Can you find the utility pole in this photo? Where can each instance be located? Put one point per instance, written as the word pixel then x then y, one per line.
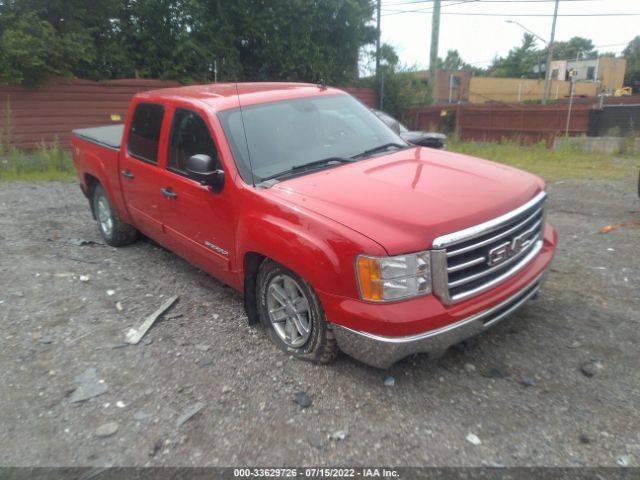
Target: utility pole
pixel 547 76
pixel 380 90
pixel 433 57
pixel 378 38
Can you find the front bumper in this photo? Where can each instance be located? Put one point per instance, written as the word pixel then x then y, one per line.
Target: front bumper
pixel 382 351
pixel 381 334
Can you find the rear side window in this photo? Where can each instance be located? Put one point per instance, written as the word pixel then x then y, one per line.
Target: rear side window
pixel 144 136
pixel 189 136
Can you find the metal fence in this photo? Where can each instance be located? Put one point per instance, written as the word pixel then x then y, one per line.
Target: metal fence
pixel 48 113
pixel 522 123
pixel 615 121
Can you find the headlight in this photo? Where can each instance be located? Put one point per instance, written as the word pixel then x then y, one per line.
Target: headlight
pixel 382 279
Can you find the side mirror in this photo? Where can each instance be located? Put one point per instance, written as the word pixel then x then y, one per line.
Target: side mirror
pixel 201 168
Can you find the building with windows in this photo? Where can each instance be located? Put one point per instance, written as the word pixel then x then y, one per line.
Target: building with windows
pixel 608 72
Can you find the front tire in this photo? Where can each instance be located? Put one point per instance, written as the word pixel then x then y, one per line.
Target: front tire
pixel 292 314
pixel 114 232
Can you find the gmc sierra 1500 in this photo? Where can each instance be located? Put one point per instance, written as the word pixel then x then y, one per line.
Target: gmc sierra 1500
pixel 340 235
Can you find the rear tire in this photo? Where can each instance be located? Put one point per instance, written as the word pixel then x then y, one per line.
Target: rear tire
pixel 114 232
pixel 292 314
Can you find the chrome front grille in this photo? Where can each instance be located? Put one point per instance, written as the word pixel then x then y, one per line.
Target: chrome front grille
pixel 473 260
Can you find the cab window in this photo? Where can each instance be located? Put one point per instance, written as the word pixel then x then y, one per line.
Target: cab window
pixel 144 136
pixel 189 136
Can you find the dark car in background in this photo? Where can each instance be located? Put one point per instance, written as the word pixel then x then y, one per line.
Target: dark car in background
pixel 416 137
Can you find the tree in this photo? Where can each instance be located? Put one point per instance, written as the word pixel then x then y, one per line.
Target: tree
pixel 576 47
pixel 297 40
pixel 453 61
pixel 520 61
pixel 401 86
pixel 301 40
pixel 632 55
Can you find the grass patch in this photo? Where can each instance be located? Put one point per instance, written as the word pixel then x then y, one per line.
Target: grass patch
pixel 47 162
pixel 565 163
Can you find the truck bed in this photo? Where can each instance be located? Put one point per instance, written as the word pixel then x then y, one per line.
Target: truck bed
pixel 109 136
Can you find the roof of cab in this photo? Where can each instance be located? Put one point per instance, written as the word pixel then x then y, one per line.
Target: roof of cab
pixel 223 96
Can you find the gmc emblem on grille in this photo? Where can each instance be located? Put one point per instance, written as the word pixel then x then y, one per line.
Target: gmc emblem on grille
pixel 508 249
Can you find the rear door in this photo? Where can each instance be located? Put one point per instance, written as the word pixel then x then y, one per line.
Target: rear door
pixel 199 224
pixel 141 181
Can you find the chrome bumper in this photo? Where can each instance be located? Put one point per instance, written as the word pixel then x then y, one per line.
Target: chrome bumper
pixel 382 352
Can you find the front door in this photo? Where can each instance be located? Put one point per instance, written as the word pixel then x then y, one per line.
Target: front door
pixel 198 222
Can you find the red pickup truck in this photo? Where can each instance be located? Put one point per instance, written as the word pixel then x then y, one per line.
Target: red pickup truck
pixel 340 235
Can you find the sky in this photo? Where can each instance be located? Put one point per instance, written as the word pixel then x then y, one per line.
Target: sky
pixel 479 38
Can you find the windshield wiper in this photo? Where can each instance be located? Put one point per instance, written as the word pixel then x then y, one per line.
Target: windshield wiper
pixel 380 148
pixel 324 162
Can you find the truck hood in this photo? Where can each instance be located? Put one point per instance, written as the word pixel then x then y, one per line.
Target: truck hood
pixel 405 199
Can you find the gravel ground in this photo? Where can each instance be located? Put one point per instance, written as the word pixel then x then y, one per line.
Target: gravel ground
pixel 556 384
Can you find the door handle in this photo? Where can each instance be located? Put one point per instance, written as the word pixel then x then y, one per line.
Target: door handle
pixel 127 173
pixel 167 192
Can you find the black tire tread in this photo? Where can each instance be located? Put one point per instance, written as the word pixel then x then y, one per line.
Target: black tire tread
pixel 123 234
pixel 326 349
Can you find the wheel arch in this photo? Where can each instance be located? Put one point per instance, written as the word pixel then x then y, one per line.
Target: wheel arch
pixel 251 263
pixel 320 252
pixel 91 182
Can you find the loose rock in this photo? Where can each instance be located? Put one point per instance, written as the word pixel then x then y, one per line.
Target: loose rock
pixel 389 381
pixel 302 399
pixel 527 382
pixel 141 415
pixel 226 389
pixel 591 368
pixel 106 430
pixel 89 386
pixel 494 373
pixel 623 460
pixel 339 435
pixel 473 439
pixel 585 439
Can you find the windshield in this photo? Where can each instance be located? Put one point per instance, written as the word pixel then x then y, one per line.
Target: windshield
pixel 286 135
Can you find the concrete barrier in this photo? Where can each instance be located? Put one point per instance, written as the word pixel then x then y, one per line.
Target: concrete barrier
pixel 606 145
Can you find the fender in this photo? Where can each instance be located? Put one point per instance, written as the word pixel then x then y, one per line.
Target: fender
pixel 316 248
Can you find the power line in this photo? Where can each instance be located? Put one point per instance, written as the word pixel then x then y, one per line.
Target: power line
pixel 487 1
pixel 545 15
pixel 413 2
pixel 634 14
pixel 424 9
pixel 491 1
pixel 612 45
